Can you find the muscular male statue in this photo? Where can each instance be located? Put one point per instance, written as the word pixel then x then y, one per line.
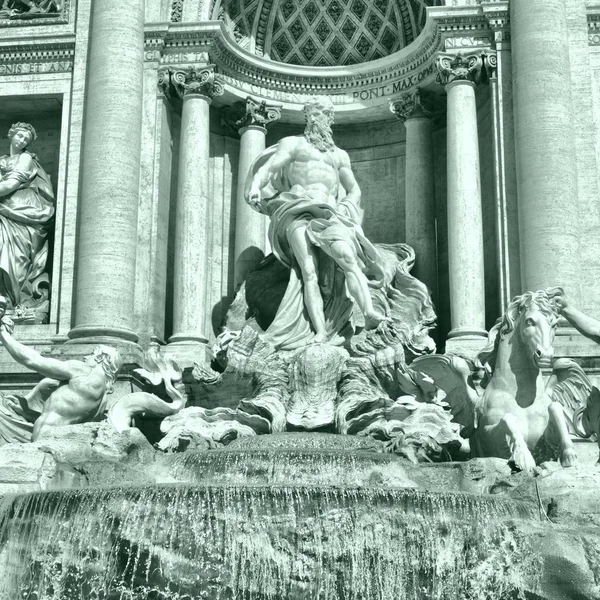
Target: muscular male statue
pixel 72 391
pixel 297 183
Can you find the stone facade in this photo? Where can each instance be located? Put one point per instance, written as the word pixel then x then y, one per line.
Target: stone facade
pixel 488 163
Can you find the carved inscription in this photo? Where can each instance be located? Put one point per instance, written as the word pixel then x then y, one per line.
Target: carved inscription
pixel 26 68
pixel 363 95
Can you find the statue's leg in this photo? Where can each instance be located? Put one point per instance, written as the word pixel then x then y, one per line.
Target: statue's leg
pixel 306 257
pixel 508 428
pixel 558 423
pixel 358 286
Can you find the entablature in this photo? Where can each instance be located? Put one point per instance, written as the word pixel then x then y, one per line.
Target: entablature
pixel 366 87
pixel 45 54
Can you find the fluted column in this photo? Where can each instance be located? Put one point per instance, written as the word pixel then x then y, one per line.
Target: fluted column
pixel 197 88
pixel 459 74
pixel 251 119
pixel 545 145
pixel 110 171
pixel 415 109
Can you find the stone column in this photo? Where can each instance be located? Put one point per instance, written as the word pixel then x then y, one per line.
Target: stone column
pixel 415 109
pixel 197 88
pixel 110 173
pixel 545 146
pixel 465 230
pixel 250 118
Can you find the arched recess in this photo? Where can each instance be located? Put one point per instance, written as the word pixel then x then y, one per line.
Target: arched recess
pixel 318 33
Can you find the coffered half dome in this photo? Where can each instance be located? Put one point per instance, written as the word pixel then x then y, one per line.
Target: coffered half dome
pixel 323 32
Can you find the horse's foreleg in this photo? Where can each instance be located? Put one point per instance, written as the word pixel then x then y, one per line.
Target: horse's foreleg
pixel 520 454
pixel 557 421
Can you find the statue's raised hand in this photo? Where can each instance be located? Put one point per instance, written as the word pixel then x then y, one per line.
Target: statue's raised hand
pixel 560 302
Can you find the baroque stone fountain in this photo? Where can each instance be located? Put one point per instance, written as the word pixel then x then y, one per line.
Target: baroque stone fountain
pixel 323 454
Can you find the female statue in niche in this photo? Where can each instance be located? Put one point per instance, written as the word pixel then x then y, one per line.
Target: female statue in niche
pixel 26 209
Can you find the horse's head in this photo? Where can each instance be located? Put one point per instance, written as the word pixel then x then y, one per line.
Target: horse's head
pixel 533 317
pixel 536 330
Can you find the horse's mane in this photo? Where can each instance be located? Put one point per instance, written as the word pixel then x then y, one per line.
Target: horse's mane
pixel 544 299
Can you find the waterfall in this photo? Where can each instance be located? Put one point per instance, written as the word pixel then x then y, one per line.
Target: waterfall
pixel 261 542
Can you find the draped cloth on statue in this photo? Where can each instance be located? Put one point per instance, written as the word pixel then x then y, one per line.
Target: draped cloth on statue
pixel 24 216
pixel 17 417
pixel 290 207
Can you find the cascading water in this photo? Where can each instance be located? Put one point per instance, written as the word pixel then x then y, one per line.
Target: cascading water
pixel 182 541
pixel 254 536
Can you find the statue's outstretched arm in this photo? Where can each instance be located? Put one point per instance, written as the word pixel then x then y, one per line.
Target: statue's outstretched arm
pixel 585 325
pixel 32 359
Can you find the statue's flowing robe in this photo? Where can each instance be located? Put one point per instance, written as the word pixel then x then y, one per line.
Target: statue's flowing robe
pixel 17 418
pixel 24 218
pixel 290 207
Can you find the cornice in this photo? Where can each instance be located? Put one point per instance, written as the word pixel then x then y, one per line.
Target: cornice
pixel 55 47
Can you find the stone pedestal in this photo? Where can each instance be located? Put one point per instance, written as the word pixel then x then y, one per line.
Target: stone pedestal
pixel 465 230
pixel 106 250
pixel 251 119
pixel 545 146
pixel 197 87
pixel 416 109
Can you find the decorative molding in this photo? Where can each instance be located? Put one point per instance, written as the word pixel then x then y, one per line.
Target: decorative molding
pixel 415 104
pixel 176 11
pixel 28 19
pixel 497 12
pixel 23 58
pixel 250 113
pixel 459 67
pixel 196 81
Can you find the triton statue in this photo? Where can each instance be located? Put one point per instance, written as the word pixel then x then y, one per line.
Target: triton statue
pixel 315 231
pixel 72 391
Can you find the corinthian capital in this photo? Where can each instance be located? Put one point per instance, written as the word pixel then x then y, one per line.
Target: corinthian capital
pixel 458 67
pixel 251 112
pixel 417 103
pixel 197 81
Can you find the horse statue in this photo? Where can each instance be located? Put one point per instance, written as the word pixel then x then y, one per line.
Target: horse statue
pixel 518 412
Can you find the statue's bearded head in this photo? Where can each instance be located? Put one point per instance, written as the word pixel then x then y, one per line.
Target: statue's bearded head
pixel 319 118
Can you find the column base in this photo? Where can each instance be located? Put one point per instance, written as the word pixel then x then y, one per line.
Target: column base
pixel 83 334
pixel 187 338
pixel 188 353
pixel 468 332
